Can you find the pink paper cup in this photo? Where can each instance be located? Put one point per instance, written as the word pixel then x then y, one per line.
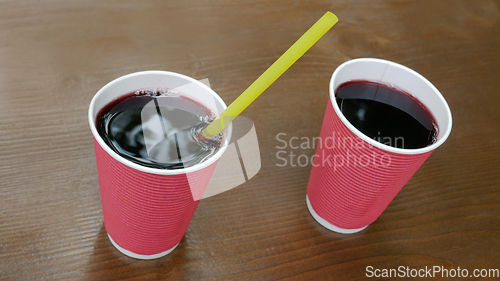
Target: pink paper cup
pixel 354 177
pixel 146 210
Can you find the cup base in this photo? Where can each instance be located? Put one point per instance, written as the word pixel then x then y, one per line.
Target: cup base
pixel 328 225
pixel 138 256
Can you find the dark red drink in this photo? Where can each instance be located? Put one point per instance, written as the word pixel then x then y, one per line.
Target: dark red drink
pixel 127 125
pixel 387 114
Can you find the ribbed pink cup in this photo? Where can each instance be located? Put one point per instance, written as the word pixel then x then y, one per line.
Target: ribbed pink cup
pixel 354 178
pixel 146 210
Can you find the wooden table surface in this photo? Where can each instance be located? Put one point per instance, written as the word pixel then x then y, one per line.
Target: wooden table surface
pixel 54 56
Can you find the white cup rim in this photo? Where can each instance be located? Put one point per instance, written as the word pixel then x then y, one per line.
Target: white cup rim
pixel 116 156
pixel 443 135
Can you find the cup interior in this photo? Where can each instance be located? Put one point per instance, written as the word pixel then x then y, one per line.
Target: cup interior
pixel 188 86
pixel 404 78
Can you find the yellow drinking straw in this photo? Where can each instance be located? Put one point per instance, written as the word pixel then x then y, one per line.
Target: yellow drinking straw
pixel 305 42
